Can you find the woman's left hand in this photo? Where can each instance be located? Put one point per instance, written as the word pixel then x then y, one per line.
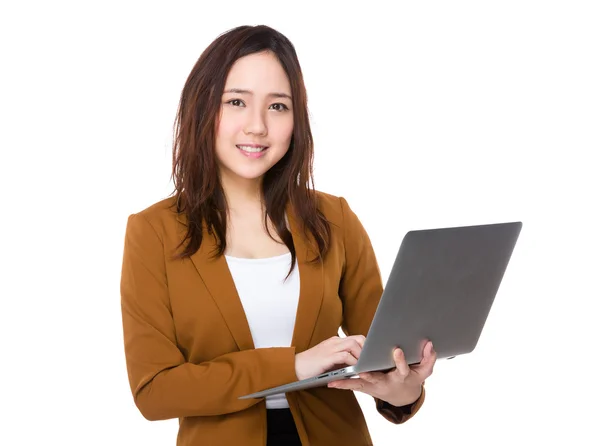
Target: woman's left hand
pixel 399 387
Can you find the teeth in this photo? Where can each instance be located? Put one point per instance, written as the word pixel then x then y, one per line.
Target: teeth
pixel 251 149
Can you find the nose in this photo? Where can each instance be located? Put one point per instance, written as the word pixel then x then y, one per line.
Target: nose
pixel 256 123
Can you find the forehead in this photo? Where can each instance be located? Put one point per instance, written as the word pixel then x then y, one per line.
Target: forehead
pixel 259 72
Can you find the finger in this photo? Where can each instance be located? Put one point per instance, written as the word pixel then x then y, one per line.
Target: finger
pixel 402 368
pixel 352 346
pixel 345 357
pixel 431 359
pixel 430 355
pixel 360 339
pixel 372 377
pixel 349 384
pixel 432 352
pixel 425 367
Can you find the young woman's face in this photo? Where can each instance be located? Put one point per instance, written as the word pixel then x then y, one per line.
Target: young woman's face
pixel 256 121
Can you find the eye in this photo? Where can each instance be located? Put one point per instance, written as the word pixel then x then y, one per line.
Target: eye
pixel 236 102
pixel 279 107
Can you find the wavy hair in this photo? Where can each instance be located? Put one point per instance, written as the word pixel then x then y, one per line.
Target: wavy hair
pixel 195 174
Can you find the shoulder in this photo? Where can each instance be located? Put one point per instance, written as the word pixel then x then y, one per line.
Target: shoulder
pixel 161 216
pixel 335 208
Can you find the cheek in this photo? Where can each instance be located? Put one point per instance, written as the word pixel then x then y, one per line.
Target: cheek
pixel 283 130
pixel 228 126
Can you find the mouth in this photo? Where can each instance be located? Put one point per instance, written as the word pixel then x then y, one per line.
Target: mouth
pixel 251 148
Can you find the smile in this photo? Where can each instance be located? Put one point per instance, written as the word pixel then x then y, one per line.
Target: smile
pixel 252 149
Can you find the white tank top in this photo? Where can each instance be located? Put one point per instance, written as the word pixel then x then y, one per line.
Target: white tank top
pixel 270 303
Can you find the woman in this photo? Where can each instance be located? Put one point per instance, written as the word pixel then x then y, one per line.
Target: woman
pixel 241 280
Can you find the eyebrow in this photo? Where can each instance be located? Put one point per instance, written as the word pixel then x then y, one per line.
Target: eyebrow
pixel 242 91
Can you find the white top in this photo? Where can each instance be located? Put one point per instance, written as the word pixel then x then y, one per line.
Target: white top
pixel 270 303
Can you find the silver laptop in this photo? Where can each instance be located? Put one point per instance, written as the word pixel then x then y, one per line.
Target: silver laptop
pixel 441 288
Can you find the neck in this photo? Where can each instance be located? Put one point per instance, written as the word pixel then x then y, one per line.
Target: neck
pixel 242 193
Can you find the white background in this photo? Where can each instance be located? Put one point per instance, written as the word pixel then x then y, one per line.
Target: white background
pixel 426 114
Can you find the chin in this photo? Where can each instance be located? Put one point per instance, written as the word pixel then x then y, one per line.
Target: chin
pixel 250 170
pixel 248 175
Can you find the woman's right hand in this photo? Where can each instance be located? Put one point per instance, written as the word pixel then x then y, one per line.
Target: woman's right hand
pixel 330 354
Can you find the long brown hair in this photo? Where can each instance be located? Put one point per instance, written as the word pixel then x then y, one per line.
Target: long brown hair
pixel 198 189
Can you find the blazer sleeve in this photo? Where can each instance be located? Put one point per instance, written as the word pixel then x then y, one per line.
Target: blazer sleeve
pixel 163 383
pixel 361 288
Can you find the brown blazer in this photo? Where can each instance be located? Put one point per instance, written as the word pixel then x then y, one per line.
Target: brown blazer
pixel 188 346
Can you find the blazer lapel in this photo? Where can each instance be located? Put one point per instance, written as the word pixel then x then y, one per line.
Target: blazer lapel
pixel 217 279
pixel 311 285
